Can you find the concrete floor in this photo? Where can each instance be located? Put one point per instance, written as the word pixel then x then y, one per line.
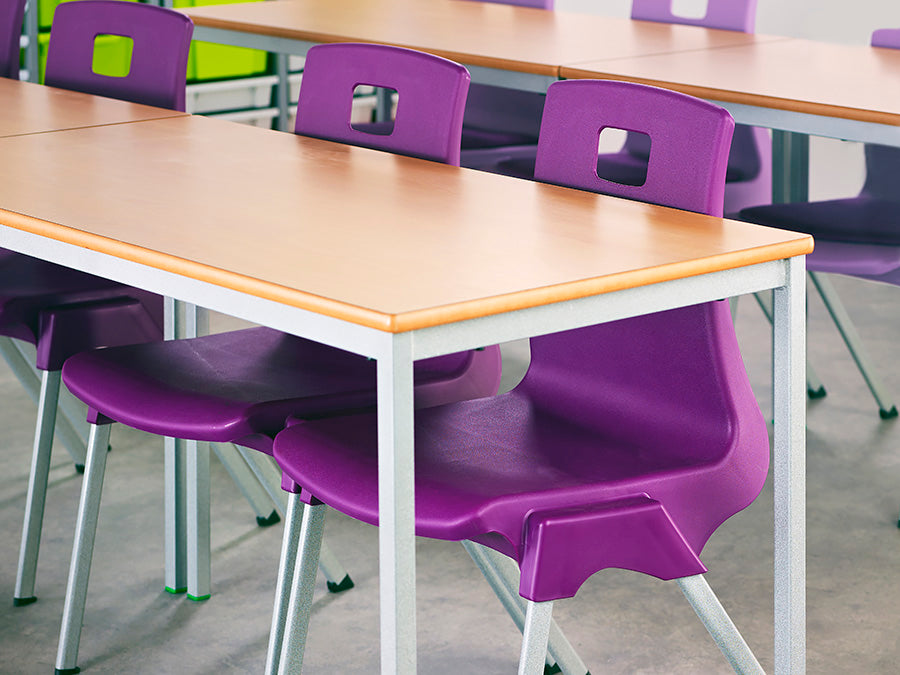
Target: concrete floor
pixel 620 622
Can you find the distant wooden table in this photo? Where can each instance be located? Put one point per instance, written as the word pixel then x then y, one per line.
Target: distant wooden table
pixel 397 259
pixel 516 47
pixel 797 88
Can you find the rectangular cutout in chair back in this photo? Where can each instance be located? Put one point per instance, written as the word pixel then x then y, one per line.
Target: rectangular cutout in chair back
pixel 374 109
pixel 628 166
pixel 112 55
pixel 690 9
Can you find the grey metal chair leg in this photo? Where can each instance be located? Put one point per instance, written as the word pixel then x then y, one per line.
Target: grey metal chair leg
pixel 886 407
pixel 28 377
pixel 719 624
pixel 502 575
pixel 538 617
pixel 269 475
pixel 199 554
pixel 289 543
pixel 814 387
pixel 254 493
pixel 82 551
pixel 74 411
pixel 37 489
pixel 300 605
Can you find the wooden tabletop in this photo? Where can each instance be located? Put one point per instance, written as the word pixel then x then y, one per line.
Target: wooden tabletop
pixel 474 33
pixel 383 241
pixel 32 109
pixel 851 82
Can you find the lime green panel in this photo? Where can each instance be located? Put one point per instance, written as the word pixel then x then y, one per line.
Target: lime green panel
pixel 209 61
pixel 45 12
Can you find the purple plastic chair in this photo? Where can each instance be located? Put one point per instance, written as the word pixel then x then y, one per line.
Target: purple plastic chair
pixel 63 311
pixel 858 236
pixel 431 99
pixel 748 181
pixel 12 13
pixel 241 386
pixel 626 444
pixel 150 80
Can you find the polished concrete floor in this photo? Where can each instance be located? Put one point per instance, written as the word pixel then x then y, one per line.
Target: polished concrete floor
pixel 620 622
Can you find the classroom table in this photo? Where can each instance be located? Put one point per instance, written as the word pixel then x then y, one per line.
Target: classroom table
pixel 798 88
pixel 399 259
pixel 516 47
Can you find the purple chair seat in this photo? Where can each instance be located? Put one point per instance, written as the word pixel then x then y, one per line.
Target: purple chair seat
pixel 865 219
pixel 29 287
pixel 178 389
pixel 483 466
pixel 868 261
pixel 479 139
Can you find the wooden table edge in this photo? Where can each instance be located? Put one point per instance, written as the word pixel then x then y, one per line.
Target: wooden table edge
pixel 414 319
pixel 200 20
pixel 729 96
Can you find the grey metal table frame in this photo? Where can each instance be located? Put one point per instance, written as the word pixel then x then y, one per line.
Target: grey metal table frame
pixel 395 353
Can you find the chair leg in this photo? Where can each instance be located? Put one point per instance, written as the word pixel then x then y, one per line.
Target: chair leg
pixel 82 551
pixel 302 585
pixel 502 575
pixel 538 617
pixel 197 521
pixel 719 624
pixel 289 543
pixel 269 475
pixel 247 483
pixel 814 386
pixel 37 489
pixel 886 407
pixel 27 375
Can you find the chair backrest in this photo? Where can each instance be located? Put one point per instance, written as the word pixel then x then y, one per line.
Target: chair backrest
pixel 882 161
pixel 687 160
pixel 737 15
pixel 161 41
pixel 679 365
pixel 11 15
pixel 431 99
